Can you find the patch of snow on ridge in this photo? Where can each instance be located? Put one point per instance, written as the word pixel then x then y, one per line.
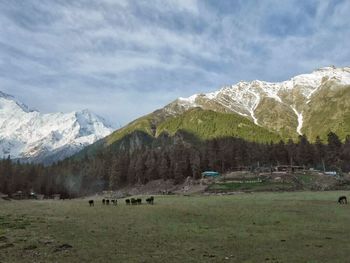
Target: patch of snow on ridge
pixel 254 106
pixel 311 82
pixel 211 95
pixel 191 99
pixel 300 120
pixel 344 76
pixel 254 118
pixel 12 99
pixel 271 89
pixel 244 96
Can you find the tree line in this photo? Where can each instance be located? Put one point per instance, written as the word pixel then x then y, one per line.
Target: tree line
pixel 168 157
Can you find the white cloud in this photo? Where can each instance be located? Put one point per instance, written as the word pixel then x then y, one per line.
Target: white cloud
pixel 92 54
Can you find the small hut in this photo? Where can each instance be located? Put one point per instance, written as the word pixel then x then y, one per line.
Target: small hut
pixel 32 195
pixel 210 174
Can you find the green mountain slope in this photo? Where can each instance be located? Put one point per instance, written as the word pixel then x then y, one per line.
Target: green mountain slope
pixel 209 124
pixel 277 117
pixel 200 124
pixel 329 110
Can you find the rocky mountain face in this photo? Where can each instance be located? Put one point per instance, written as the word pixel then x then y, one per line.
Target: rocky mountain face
pixel 29 135
pixel 312 104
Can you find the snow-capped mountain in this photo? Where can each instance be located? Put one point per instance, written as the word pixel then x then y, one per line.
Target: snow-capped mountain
pixel 288 107
pixel 312 104
pixel 30 135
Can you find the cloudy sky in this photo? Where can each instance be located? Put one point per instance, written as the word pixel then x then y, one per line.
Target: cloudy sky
pixel 123 59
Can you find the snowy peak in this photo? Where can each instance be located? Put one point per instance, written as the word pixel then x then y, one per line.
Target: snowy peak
pixel 26 134
pixel 259 100
pixel 90 123
pixel 9 101
pixel 309 83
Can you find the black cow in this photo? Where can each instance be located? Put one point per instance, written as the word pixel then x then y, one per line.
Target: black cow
pixel 133 201
pixel 103 201
pixel 91 202
pixel 107 202
pixel 342 200
pixel 150 200
pixel 127 201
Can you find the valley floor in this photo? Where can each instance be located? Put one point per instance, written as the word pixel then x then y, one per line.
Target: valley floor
pixel 257 227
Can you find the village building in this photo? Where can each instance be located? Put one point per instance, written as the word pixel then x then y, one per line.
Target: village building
pixel 210 174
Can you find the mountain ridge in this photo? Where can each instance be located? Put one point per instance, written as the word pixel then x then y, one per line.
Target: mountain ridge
pixel 29 135
pixel 252 99
pixel 286 109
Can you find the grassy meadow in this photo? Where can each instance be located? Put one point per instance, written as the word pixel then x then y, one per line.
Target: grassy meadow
pixel 258 227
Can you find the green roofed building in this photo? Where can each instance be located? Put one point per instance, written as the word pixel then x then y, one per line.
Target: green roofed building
pixel 210 174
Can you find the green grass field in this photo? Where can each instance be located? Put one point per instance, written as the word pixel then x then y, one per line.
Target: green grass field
pixel 259 227
pixel 261 186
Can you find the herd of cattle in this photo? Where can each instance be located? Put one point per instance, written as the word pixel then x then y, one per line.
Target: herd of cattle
pixel 150 200
pixel 131 201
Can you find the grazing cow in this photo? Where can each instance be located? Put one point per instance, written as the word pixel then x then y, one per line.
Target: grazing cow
pixel 107 202
pixel 342 200
pixel 91 202
pixel 133 201
pixel 150 200
pixel 127 201
pixel 139 201
pixel 103 201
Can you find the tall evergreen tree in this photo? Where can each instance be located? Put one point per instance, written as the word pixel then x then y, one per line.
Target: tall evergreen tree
pixel 333 150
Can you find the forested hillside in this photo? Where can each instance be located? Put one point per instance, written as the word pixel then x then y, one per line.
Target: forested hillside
pixel 168 157
pixel 201 124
